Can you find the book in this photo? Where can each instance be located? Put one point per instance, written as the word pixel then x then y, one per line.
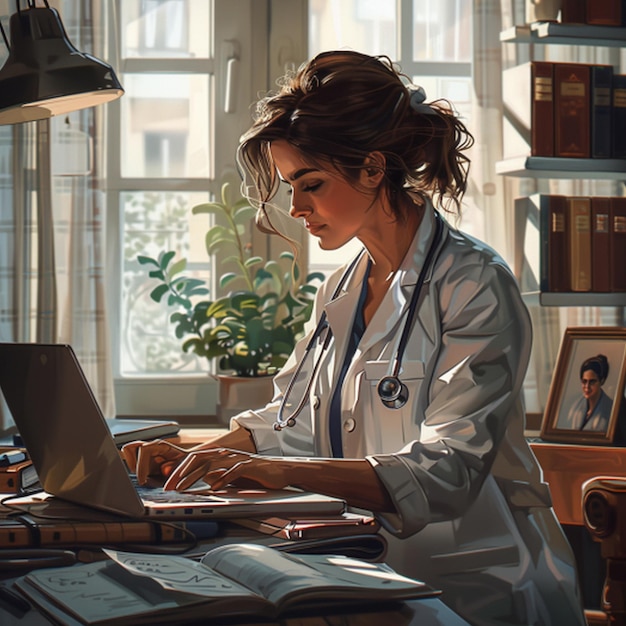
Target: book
pixel 348 524
pixel 30 531
pixel 235 579
pixel 579 218
pixel 554 242
pixel 573 12
pixel 528 109
pixel 542 114
pixel 17 473
pixel 618 243
pixel 603 12
pixel 619 116
pixel 601 86
pixel 601 268
pixel 572 110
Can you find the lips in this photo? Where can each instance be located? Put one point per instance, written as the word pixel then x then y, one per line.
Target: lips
pixel 314 228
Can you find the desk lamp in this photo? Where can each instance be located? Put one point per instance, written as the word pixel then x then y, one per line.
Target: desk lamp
pixel 44 74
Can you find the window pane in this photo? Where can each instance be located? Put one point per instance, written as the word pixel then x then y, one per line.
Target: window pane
pixel 156 222
pixel 161 115
pixel 166 28
pixel 441 30
pixel 364 25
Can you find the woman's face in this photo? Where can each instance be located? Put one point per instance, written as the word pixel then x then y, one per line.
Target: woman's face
pixel 333 209
pixel 591 385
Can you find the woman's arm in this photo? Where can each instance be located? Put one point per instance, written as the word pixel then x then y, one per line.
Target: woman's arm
pixel 353 480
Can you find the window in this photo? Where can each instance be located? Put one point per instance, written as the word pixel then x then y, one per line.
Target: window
pixel 171 142
pixel 432 44
pixel 173 135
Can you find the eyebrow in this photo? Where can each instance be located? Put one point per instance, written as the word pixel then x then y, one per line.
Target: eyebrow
pixel 299 173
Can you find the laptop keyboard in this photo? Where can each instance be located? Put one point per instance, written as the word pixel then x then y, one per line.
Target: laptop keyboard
pixel 158 494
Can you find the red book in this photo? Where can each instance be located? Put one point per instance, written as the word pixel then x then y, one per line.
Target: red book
pixel 618 243
pixel 572 110
pixel 542 114
pixel 573 11
pixel 601 274
pixel 604 12
pixel 554 260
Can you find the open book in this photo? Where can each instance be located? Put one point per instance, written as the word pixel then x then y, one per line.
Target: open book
pixel 231 580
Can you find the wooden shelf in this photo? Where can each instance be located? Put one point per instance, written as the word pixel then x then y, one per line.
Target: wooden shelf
pixel 548 167
pixel 554 33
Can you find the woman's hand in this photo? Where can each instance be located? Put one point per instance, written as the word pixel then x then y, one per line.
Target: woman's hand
pixel 152 458
pixel 219 467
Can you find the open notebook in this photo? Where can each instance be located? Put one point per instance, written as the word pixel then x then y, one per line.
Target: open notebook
pixel 78 461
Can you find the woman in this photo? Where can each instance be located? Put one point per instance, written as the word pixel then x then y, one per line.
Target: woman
pixel 593 410
pixel 442 458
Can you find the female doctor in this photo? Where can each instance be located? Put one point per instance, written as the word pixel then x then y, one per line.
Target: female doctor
pixel 405 398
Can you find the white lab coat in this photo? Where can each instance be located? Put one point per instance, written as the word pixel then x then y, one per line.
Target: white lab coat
pixel 473 515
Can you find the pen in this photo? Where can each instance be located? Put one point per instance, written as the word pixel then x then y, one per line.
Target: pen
pixel 11 458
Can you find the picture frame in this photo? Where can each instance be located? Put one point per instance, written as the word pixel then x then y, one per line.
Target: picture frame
pixel 565 418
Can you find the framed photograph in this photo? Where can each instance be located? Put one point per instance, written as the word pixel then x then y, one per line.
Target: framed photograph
pixel 586 396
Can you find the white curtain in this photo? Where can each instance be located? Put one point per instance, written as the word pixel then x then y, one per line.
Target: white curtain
pixel 52 253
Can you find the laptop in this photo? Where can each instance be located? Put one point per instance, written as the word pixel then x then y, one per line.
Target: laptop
pixel 77 459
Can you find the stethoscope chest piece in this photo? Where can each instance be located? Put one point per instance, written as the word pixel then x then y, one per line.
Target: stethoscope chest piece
pixel 392 392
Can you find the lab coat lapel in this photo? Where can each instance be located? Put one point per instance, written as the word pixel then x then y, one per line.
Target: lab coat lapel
pixel 386 320
pixel 340 310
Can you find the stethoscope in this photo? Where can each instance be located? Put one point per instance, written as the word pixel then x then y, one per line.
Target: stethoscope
pixel 392 392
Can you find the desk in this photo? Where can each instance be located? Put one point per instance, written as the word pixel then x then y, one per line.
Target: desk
pixel 422 612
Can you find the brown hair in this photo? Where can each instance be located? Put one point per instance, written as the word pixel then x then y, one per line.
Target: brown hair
pixel 342 106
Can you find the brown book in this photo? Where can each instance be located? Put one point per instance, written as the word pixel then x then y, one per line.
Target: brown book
pixel 579 216
pixel 572 110
pixel 573 11
pixel 618 243
pixel 603 12
pixel 554 242
pixel 542 114
pixel 18 477
pixel 600 252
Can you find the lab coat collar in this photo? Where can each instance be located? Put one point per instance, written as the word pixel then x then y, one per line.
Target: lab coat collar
pixel 340 312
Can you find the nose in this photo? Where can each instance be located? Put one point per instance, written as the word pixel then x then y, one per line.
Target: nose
pixel 296 209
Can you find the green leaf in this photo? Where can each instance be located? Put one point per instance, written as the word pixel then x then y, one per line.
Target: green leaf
pixel 253 260
pixel 158 292
pixel 165 258
pixel 177 267
pixel 146 260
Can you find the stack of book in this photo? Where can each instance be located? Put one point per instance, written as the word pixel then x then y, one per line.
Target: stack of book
pixel 582 242
pixel 573 110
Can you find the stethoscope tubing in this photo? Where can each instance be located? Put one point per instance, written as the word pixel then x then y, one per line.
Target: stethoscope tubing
pixel 391 402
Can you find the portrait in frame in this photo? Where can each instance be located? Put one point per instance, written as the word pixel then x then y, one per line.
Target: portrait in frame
pixel 586 396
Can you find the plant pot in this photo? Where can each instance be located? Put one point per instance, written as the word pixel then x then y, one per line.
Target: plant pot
pixel 240 393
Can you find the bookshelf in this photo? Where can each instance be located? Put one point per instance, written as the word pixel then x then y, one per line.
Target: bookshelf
pixel 554 33
pixel 550 33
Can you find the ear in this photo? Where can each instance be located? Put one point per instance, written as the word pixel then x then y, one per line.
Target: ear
pixel 373 169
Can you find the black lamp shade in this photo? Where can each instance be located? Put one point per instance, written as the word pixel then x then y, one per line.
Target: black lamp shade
pixel 46 75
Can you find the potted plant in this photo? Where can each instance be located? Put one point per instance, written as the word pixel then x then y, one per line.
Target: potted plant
pixel 250 330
